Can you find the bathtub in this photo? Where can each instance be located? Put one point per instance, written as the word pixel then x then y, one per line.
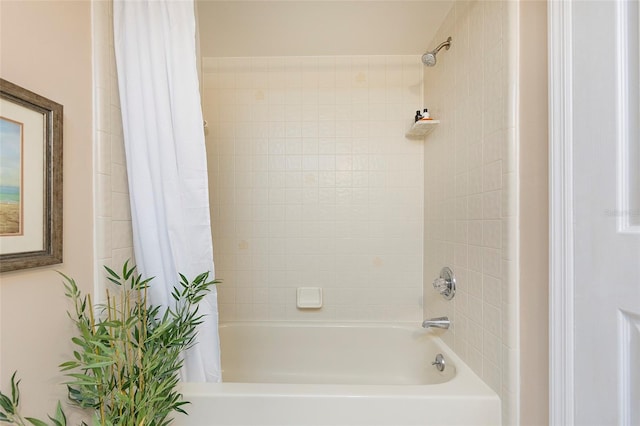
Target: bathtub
pixel 307 374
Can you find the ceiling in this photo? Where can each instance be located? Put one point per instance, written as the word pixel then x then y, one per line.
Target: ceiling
pixel 320 27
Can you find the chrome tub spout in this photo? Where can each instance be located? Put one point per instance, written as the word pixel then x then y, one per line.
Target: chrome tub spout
pixel 439 322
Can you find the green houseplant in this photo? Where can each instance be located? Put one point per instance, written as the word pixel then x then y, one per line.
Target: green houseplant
pixel 127 357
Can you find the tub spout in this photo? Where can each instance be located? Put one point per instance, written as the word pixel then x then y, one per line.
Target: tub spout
pixel 440 322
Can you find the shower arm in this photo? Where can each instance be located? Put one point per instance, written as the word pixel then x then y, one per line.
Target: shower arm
pixel 446 44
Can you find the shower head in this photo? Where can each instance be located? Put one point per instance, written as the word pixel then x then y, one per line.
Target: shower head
pixel 429 58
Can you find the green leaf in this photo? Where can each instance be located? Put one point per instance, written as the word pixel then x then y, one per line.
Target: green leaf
pixel 6 404
pixel 115 281
pixel 82 377
pixel 68 365
pixel 95 365
pixel 66 278
pixel 111 272
pixel 78 341
pixel 15 391
pixel 127 272
pixel 143 284
pixel 60 418
pixel 35 422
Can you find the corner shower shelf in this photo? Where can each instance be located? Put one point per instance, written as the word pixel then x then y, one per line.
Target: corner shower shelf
pixel 422 128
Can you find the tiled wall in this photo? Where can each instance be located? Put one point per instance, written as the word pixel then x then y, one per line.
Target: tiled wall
pixel 313 184
pixel 114 243
pixel 470 210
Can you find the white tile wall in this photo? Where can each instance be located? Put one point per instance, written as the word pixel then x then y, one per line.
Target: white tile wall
pixel 113 214
pixel 469 194
pixel 313 183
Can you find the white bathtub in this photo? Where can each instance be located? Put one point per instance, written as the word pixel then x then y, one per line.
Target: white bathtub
pixel 338 374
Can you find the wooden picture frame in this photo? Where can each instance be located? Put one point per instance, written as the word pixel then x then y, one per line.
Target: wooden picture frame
pixel 30 179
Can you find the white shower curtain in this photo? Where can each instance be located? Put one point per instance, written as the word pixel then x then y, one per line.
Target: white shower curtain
pixel 166 160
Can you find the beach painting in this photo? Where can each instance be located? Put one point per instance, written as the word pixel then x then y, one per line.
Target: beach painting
pixel 11 190
pixel 31 129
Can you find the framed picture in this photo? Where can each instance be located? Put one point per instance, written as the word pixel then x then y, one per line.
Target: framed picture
pixel 30 179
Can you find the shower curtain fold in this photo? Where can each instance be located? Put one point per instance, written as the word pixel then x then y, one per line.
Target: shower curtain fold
pixel 155 50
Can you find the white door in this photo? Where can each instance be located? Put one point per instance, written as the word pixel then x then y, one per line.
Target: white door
pixel 595 293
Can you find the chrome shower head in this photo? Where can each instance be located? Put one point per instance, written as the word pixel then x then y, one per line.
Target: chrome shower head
pixel 429 58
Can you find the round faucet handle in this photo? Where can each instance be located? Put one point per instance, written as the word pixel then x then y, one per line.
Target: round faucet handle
pixel 446 283
pixel 440 284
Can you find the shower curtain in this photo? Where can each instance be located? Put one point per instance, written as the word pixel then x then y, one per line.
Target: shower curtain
pixel 166 159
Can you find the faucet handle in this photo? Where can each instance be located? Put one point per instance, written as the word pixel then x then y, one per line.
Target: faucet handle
pixel 440 284
pixel 446 283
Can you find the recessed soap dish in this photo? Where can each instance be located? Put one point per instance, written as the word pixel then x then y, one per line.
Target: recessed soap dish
pixel 309 298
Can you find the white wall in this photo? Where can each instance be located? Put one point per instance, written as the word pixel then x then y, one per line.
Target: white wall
pixel 313 183
pixel 470 193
